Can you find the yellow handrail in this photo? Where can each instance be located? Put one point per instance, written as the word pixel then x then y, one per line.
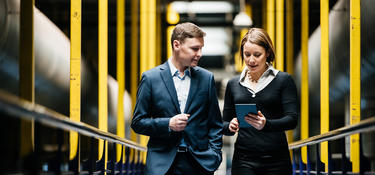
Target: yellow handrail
pixel 366 125
pixel 24 109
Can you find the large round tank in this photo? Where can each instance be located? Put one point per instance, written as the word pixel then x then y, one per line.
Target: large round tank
pixel 339 55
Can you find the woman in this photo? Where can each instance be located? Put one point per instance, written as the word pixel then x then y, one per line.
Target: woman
pixel 261 148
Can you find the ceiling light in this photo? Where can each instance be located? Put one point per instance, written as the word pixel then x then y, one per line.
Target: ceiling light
pixel 242 19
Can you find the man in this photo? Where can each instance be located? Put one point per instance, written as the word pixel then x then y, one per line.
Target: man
pixel 177 107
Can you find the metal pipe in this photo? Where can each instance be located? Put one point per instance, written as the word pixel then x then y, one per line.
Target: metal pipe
pixel 52 61
pixel 339 54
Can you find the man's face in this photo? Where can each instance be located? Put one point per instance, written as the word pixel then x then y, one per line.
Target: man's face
pixel 189 51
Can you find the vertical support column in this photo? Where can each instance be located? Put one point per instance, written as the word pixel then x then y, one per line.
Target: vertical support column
pixel 120 71
pixel 169 44
pixel 144 35
pixel 239 64
pixel 172 18
pixel 145 54
pixel 134 64
pixel 289 36
pixel 324 78
pixel 264 15
pixel 75 76
pixel 134 51
pixel 304 76
pixel 355 80
pixel 26 72
pixel 158 16
pixel 103 73
pixel 271 19
pixel 280 48
pixel 151 20
pixel 148 45
pixel 280 35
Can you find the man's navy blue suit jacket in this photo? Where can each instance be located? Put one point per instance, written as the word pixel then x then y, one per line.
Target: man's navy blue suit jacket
pixel 157 103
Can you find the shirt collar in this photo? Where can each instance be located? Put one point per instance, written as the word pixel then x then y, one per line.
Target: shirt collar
pixel 270 71
pixel 174 70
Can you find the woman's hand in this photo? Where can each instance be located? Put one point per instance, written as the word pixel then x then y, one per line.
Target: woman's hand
pixel 256 120
pixel 233 125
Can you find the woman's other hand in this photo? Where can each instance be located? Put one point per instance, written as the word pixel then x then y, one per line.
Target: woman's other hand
pixel 256 120
pixel 233 125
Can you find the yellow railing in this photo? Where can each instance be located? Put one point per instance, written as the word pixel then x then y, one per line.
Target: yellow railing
pixel 363 126
pixel 28 111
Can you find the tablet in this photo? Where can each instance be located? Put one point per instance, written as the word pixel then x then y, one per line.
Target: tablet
pixel 242 110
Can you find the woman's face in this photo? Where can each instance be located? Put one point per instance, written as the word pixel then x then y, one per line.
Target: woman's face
pixel 255 57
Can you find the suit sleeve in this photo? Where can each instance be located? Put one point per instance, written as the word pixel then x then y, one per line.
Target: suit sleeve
pixel 215 133
pixel 289 107
pixel 142 122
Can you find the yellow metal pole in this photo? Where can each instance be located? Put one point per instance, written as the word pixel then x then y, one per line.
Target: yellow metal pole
pixel 151 13
pixel 169 44
pixel 144 54
pixel 324 78
pixel 280 47
pixel 305 75
pixel 148 45
pixel 264 15
pixel 289 37
pixel 134 64
pixel 120 73
pixel 271 19
pixel 103 73
pixel 172 18
pixel 238 63
pixel 26 72
pixel 75 73
pixel 157 35
pixel 280 35
pixel 355 80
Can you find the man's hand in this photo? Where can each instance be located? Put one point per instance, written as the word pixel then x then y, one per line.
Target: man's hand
pixel 233 125
pixel 178 122
pixel 256 120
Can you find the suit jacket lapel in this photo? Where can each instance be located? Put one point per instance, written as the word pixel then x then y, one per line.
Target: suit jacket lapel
pixel 193 87
pixel 168 81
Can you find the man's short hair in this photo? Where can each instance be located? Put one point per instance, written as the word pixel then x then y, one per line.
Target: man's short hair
pixel 186 30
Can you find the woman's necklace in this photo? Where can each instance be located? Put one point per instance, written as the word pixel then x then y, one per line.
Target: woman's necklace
pixel 250 78
pixel 252 83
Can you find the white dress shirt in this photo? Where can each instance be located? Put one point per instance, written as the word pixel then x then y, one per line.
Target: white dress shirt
pixel 264 80
pixel 182 84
